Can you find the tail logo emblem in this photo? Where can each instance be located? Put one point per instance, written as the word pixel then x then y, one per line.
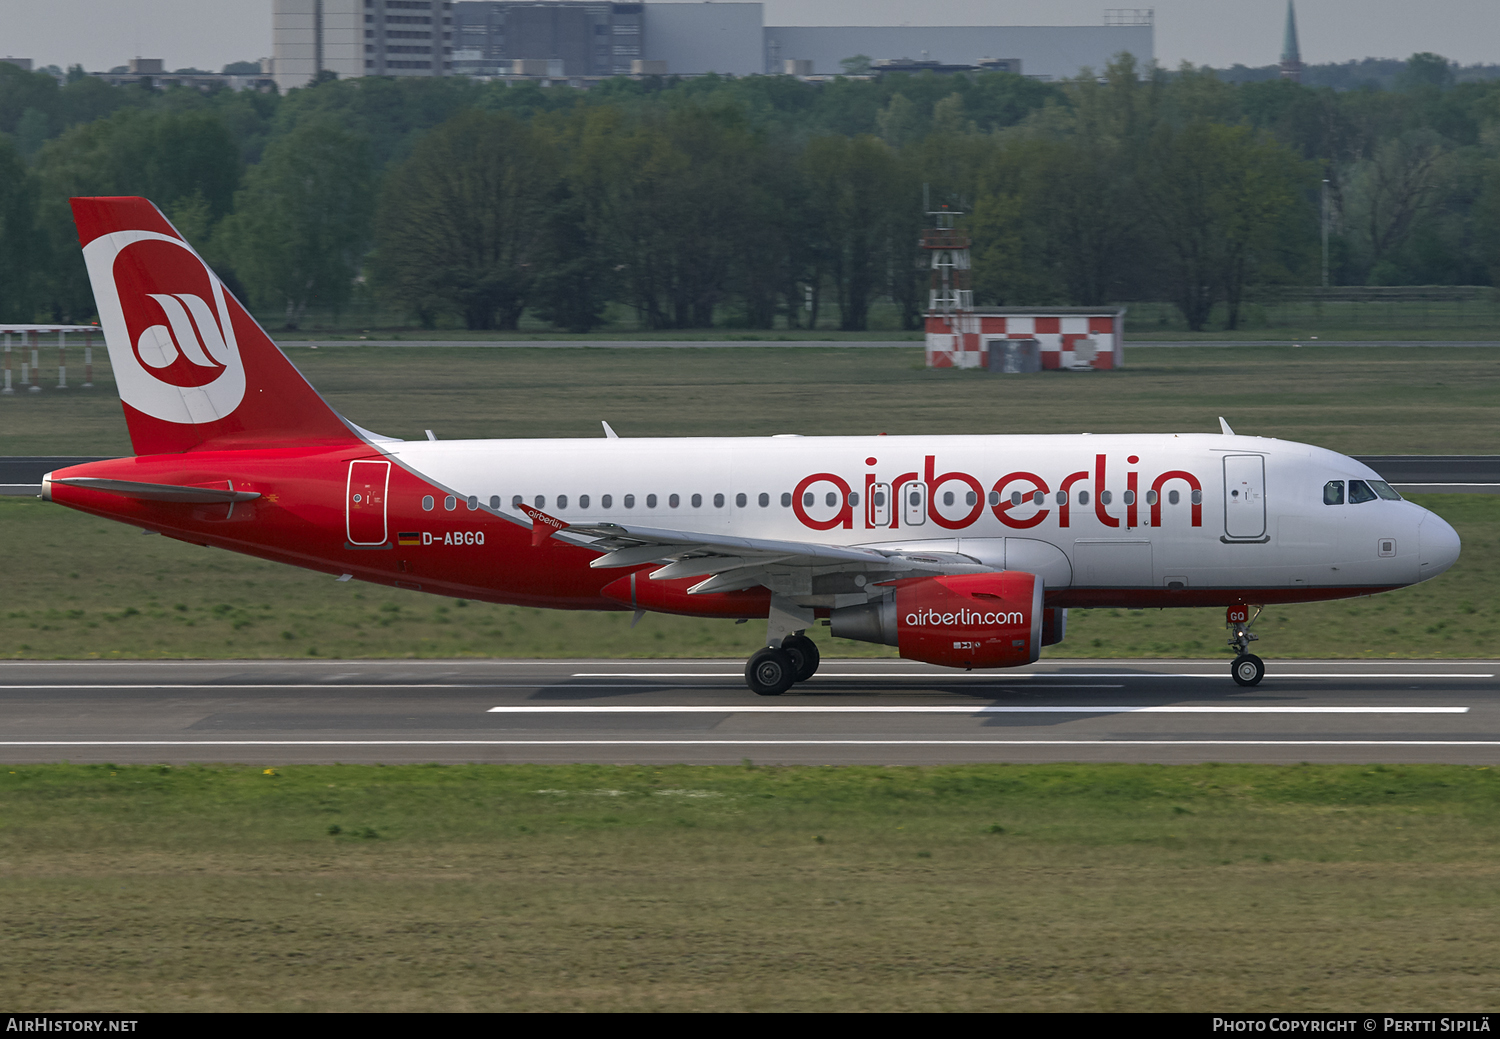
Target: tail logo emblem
pixel 160 346
pixel 167 322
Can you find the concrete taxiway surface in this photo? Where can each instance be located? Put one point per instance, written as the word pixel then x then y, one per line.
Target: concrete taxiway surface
pixel 852 712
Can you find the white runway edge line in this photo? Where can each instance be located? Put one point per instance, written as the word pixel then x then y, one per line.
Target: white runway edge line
pixel 1009 678
pixel 750 743
pixel 958 709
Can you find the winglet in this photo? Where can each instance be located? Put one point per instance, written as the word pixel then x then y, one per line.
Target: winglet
pixel 1224 427
pixel 608 432
pixel 543 526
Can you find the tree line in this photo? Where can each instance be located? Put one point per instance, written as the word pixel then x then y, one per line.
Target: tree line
pixel 763 201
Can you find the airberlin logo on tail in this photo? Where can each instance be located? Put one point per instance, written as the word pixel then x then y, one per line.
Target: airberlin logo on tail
pixel 197 339
pixel 166 320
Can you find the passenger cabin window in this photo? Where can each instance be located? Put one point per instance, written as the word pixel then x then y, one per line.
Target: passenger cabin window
pixel 1173 497
pixel 764 500
pixel 650 501
pixel 673 501
pixel 1359 491
pixel 718 501
pixel 605 501
pixel 562 501
pixel 1333 492
pixel 630 501
pixel 426 503
pixel 583 501
pixel 740 501
pixel 515 501
pixel 786 499
pixel 495 501
pixel 697 501
pixel 450 503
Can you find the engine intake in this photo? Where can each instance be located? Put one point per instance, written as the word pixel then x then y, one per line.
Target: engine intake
pixel 965 620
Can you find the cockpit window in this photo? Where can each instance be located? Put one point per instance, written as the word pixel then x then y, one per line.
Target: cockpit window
pixel 1333 492
pixel 1385 490
pixel 1359 491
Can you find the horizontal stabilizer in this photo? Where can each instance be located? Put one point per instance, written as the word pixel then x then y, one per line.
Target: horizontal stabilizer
pixel 160 491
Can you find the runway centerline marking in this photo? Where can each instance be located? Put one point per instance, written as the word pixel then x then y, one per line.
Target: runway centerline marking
pixel 969 709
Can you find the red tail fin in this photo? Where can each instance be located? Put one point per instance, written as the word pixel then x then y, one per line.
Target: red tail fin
pixel 191 364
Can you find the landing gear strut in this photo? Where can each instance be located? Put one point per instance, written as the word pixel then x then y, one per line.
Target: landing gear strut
pixel 1247 669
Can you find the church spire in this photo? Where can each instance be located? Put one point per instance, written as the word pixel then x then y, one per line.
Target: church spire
pixel 1291 54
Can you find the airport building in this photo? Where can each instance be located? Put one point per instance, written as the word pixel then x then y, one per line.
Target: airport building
pixel 579 41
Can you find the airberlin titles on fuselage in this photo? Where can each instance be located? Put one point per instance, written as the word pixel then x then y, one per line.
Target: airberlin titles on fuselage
pixel 912 498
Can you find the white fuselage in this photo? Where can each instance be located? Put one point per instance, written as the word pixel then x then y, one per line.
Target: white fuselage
pixel 1142 512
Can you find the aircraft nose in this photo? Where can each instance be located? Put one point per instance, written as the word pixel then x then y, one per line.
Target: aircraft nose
pixel 1437 546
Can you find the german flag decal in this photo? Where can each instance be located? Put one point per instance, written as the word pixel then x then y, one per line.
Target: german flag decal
pixel 409 538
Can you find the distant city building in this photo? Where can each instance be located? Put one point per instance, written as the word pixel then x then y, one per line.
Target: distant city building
pixel 352 38
pixel 20 63
pixel 885 66
pixel 152 72
pixel 1047 51
pixel 1291 54
pixel 567 39
pixel 582 41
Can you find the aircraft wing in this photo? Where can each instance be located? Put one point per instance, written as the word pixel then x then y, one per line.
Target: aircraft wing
pixel 731 563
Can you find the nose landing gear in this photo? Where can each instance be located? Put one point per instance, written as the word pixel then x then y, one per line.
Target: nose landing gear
pixel 1247 669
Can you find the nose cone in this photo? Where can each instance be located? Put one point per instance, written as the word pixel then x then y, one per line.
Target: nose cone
pixel 1437 546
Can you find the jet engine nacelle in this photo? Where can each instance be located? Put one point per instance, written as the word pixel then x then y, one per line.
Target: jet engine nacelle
pixel 964 620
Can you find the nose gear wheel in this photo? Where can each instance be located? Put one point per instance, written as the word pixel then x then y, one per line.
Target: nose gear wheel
pixel 1248 669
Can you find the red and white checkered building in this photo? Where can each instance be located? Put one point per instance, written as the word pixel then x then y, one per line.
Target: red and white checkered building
pixel 1067 337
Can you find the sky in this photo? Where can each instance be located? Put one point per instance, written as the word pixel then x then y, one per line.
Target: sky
pixel 208 34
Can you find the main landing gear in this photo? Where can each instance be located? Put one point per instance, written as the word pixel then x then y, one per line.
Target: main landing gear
pixel 772 671
pixel 789 657
pixel 1247 669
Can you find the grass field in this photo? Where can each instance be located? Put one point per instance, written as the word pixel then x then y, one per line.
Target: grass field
pixel 1387 400
pixel 1091 888
pixel 135 596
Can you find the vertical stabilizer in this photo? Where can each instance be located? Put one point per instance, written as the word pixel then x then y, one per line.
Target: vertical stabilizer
pixel 193 368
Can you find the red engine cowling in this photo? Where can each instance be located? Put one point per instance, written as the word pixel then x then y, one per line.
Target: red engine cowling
pixel 966 620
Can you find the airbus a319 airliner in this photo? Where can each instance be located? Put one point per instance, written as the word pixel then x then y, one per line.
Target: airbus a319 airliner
pixel 964 551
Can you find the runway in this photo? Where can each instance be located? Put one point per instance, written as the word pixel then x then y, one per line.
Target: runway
pixel 699 712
